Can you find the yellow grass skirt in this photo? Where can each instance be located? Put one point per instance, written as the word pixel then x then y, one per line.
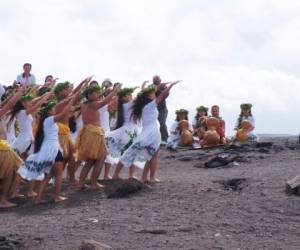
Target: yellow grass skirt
pixel 9 160
pixel 90 143
pixel 65 140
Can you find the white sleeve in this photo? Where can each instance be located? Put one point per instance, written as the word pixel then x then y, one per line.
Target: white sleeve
pixel 173 128
pixel 19 79
pixel 49 121
pixel 252 121
pixel 33 79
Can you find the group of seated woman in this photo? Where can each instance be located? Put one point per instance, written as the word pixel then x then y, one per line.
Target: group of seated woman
pixel 209 130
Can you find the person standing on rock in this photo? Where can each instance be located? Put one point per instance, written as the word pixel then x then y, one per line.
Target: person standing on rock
pixel 162 109
pixel 146 146
pixel 90 141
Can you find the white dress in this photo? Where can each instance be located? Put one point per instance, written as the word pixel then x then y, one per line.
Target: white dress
pixel 37 164
pixel 11 132
pixel 148 141
pixel 25 137
pixel 252 136
pixel 119 140
pixel 104 118
pixel 174 135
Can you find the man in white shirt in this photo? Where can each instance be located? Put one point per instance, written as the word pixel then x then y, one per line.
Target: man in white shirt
pixel 26 77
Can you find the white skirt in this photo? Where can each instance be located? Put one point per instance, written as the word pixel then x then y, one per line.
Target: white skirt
pixel 22 143
pixel 119 140
pixel 36 165
pixel 143 148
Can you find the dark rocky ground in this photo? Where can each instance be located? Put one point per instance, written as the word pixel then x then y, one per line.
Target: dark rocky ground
pixel 236 201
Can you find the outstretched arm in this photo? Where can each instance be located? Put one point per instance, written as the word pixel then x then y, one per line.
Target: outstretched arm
pixel 80 85
pixel 66 110
pixel 107 99
pixel 165 93
pixel 12 101
pixel 37 104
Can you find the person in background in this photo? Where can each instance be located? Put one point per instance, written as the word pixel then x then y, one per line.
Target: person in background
pixel 162 109
pixel 107 84
pixel 246 116
pixel 199 122
pixel 176 132
pixel 215 112
pixel 26 77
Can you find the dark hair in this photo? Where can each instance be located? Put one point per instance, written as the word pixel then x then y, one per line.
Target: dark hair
pixel 186 117
pixel 27 64
pixel 120 114
pixel 140 102
pixel 17 108
pixel 48 77
pixel 40 134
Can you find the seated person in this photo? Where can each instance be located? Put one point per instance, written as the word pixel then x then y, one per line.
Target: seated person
pixel 199 122
pixel 211 137
pixel 181 132
pixel 245 125
pixel 215 112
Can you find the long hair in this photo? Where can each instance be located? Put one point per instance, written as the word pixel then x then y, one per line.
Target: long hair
pixel 140 102
pixel 17 108
pixel 120 113
pixel 40 134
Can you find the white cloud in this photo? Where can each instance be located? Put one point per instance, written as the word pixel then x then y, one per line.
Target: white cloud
pixel 227 52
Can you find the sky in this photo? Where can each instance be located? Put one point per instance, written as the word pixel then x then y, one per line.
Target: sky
pixel 226 52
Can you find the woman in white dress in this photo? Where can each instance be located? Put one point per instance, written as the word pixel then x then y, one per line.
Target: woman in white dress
pixel 146 145
pixel 120 139
pixel 175 133
pixel 11 129
pixel 47 160
pixel 246 115
pixel 23 111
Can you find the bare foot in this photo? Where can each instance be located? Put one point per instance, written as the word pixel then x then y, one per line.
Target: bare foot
pixel 154 180
pixel 96 186
pixel 40 201
pixel 7 204
pixel 133 177
pixel 116 177
pixel 144 180
pixel 74 183
pixel 17 195
pixel 60 199
pixel 31 194
pixel 107 177
pixel 82 186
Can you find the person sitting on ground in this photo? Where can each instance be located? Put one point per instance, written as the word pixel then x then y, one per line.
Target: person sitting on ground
pixel 215 112
pixel 245 125
pixel 199 122
pixel 181 132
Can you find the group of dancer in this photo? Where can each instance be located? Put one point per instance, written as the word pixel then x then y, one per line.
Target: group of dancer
pixel 47 128
pixel 209 130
